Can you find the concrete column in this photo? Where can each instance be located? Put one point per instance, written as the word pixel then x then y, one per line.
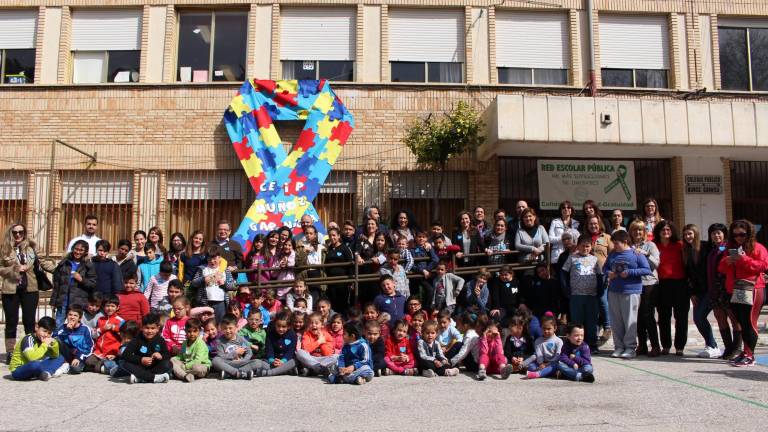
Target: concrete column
pixel 154 31
pixel 63 75
pixel 369 65
pixel 48 45
pixel 480 53
pixel 262 45
pixel 38 191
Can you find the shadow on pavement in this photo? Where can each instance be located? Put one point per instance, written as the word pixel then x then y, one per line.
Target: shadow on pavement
pixel 740 373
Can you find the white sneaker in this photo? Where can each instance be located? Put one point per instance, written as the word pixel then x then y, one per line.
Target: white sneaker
pixel 62 370
pixel 429 373
pixel 617 353
pixel 710 352
pixel 132 379
pixel 628 354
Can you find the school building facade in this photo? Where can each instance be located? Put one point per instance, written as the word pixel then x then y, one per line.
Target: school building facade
pixel 677 87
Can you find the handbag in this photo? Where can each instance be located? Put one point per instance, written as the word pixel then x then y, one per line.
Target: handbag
pixel 43 283
pixel 743 290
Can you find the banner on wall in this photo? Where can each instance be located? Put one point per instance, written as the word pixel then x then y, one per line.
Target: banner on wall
pixel 611 184
pixel 285 182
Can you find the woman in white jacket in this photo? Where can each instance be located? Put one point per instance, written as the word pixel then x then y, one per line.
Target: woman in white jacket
pixel 565 223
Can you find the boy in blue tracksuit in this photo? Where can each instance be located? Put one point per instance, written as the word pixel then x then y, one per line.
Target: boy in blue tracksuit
pixel 624 269
pixel 355 365
pixel 75 340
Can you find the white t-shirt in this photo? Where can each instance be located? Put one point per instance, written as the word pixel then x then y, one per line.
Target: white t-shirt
pixel 213 291
pixel 91 243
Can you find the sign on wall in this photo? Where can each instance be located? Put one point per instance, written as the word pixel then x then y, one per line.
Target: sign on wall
pixel 611 184
pixel 285 183
pixel 703 184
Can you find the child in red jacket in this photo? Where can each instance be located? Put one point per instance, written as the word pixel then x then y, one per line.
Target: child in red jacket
pixel 174 331
pixel 133 304
pixel 107 333
pixel 399 356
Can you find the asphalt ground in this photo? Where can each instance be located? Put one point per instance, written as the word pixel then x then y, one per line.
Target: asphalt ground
pixel 667 393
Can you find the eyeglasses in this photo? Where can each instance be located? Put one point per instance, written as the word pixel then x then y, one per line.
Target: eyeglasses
pixel 740 235
pixel 566 208
pixel 18 232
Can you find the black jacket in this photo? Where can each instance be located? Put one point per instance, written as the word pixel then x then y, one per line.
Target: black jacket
pixel 505 295
pixel 475 246
pixel 140 347
pixel 66 287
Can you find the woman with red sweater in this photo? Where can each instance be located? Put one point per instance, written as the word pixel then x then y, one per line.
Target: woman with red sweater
pixel 746 260
pixel 673 289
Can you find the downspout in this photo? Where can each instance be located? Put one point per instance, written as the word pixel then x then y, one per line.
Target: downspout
pixel 591 33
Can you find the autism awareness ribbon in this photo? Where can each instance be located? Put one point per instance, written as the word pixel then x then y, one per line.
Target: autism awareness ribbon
pixel 621 175
pixel 285 183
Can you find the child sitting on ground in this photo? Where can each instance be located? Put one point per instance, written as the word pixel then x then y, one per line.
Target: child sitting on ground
pixel 75 340
pixel 336 330
pixel 371 313
pixel 432 361
pixel 174 329
pixel 299 291
pixel 234 309
pixel 324 308
pixel 255 334
pixel 211 335
pixel 36 355
pixel 233 353
pixel 147 358
pixel 192 361
pixel 378 349
pixel 491 351
pixel 316 353
pixel 298 319
pixel 518 347
pixel 107 345
pixel 547 349
pixel 128 332
pixel 469 354
pixel 416 325
pixel 399 356
pixel 449 338
pixel 355 364
pixel 281 346
pixel 575 359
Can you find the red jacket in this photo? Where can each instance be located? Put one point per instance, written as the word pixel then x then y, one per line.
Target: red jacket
pixel 338 340
pixel 310 344
pixel 396 348
pixel 107 341
pixel 133 306
pixel 750 267
pixel 174 332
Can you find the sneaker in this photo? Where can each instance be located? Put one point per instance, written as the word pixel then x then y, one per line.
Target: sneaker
pixel 8 357
pixel 249 375
pixel 607 334
pixel 410 372
pixel 223 375
pixel 368 378
pixel 304 372
pixel 452 372
pixel 132 379
pixel 386 372
pixel 617 353
pixel 745 361
pixel 429 373
pixel 628 354
pixel 102 369
pixel 679 352
pixel 587 377
pixel 331 379
pixel 737 359
pixel 654 352
pixel 665 351
pixel 162 378
pixel 507 371
pixel 360 381
pixel 113 371
pixel 44 376
pixel 189 378
pixel 734 355
pixel 62 370
pixel 481 375
pixel 710 353
pixel 532 375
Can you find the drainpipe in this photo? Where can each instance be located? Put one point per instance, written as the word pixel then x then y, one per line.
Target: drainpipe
pixel 591 33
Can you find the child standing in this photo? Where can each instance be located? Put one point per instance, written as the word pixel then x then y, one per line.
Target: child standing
pixel 518 348
pixel 492 360
pixel 580 276
pixel 192 361
pixel 378 349
pixel 432 361
pixel 174 329
pixel 75 340
pixel 399 356
pixel 150 267
pixel 36 355
pixel 271 302
pixel 233 352
pixel 133 305
pixel 299 291
pixel 147 358
pixel 390 301
pixel 157 287
pixel 175 290
pixel 396 272
pixel 92 311
pixel 316 353
pixel 257 300
pixel 423 249
pixel 575 360
pixel 355 364
pixel 107 345
pixel 475 295
pixel 547 349
pixel 447 287
pixel 255 334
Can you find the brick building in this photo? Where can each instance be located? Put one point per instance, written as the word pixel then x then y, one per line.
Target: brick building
pixel 680 90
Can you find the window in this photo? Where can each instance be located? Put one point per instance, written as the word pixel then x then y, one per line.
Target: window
pixel 634 51
pixel 532 48
pixel 743 54
pixel 415 191
pixel 106 194
pixel 439 54
pixel 18 28
pixel 318 43
pixel 13 197
pixel 212 46
pixel 106 46
pixel 336 200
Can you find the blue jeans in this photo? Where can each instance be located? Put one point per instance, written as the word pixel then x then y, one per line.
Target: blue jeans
pixel 33 369
pixel 700 312
pixel 584 311
pixel 61 316
pixel 547 371
pixel 571 373
pixel 605 317
pixel 365 372
pixel 112 364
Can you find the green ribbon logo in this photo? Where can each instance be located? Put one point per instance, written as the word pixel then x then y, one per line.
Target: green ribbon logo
pixel 621 174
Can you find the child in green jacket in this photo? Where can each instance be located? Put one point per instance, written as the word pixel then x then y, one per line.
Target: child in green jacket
pixel 255 334
pixel 37 354
pixel 192 361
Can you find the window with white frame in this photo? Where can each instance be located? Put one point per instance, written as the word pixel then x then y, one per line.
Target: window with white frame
pixel 532 48
pixel 634 51
pixel 743 54
pixel 106 45
pixel 318 43
pixel 18 28
pixel 212 46
pixel 426 45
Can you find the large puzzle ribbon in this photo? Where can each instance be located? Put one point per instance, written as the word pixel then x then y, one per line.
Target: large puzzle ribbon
pixel 285 183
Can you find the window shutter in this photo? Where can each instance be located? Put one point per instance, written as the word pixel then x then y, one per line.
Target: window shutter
pixel 13 185
pixel 104 30
pixel 421 184
pixel 431 35
pixel 634 42
pixel 18 28
pixel 214 185
pixel 532 40
pixel 96 187
pixel 317 34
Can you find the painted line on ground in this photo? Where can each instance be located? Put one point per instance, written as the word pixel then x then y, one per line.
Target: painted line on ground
pixel 680 381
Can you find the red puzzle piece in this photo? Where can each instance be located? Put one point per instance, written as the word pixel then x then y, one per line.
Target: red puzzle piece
pixel 341 132
pixel 243 151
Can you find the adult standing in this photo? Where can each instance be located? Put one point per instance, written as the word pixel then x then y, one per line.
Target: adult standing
pixel 403 225
pixel 176 248
pixel 365 251
pixel 720 301
pixel 21 280
pixel 480 223
pixel 514 224
pixel 651 215
pixel 673 289
pixel 531 239
pixel 192 257
pixel 590 208
pixel 468 239
pixel 647 330
pixel 74 279
pixel 337 253
pixel 565 223
pixel 231 250
pixel 743 268
pixel 601 247
pixel 617 221
pixel 156 239
pixel 90 226
pixel 139 242
pixel 371 212
pixel 695 252
pixel 498 244
pixel 306 223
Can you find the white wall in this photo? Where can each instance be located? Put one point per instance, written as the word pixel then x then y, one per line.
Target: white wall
pixel 703 209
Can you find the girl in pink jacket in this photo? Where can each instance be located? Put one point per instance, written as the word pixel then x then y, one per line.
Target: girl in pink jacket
pixel 491 359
